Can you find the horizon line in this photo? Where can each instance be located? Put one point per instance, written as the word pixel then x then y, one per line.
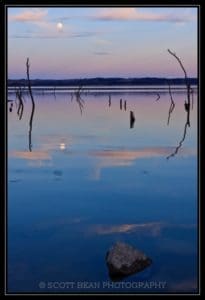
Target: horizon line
pixel 98 77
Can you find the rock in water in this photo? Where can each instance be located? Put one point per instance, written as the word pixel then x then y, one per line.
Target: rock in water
pixel 122 260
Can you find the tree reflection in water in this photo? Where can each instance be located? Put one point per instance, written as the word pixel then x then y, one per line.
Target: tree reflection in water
pixel 183 138
pixel 33 105
pixel 187 105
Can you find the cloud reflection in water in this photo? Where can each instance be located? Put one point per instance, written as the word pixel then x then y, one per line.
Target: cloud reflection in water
pixel 121 158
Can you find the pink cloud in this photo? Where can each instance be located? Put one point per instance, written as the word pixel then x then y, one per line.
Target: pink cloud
pixel 29 16
pixel 132 13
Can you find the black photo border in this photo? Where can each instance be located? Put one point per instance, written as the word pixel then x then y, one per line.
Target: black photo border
pixel 4 4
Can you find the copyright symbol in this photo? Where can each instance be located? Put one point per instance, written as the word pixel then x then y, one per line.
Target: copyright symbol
pixel 42 285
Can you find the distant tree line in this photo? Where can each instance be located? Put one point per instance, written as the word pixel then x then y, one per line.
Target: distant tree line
pixel 103 81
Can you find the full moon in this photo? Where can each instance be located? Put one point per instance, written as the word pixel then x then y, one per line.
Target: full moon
pixel 60 26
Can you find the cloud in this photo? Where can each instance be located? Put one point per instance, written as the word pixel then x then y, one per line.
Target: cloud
pixel 53 35
pixel 39 19
pixel 134 14
pixel 30 16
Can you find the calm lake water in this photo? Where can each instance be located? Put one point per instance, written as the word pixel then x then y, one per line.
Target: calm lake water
pixel 90 180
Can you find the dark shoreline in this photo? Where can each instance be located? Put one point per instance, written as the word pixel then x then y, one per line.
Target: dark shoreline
pixel 102 82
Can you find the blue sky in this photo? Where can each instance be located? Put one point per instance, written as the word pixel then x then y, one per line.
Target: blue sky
pixel 96 41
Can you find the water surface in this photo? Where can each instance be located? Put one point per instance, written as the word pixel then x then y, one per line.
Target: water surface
pixel 89 180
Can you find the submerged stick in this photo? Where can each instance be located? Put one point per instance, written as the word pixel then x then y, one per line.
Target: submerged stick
pixel 158 97
pixel 125 105
pixel 109 100
pixel 132 119
pixel 121 104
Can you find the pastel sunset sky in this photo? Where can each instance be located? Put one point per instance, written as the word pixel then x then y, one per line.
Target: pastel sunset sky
pixel 80 42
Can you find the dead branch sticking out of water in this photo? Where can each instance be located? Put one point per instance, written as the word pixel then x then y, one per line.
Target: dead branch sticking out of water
pixel 11 107
pixel 125 105
pixel 132 119
pixel 33 104
pixel 20 103
pixel 121 104
pixel 172 106
pixel 158 97
pixel 109 100
pixel 78 98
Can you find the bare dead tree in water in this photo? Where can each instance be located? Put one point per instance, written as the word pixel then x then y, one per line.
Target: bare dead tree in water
pixel 188 87
pixel 172 106
pixel 32 101
pixel 187 105
pixel 125 105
